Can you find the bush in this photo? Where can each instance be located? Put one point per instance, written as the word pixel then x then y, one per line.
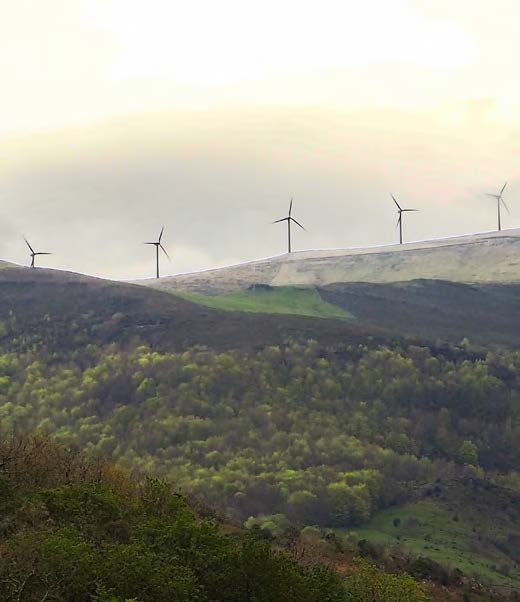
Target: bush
pixel 369 583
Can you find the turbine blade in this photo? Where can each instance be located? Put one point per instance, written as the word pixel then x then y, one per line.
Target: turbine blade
pixel 507 208
pixel 398 222
pixel 298 223
pixel 495 196
pixel 27 242
pixel 290 208
pixel 149 243
pixel 503 188
pixel 164 251
pixel 284 219
pixel 43 253
pixel 160 235
pixel 409 209
pixel 398 206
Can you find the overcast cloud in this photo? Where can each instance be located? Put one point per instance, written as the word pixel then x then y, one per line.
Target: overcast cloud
pixel 113 127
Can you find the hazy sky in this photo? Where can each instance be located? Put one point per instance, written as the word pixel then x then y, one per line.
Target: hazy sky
pixel 120 116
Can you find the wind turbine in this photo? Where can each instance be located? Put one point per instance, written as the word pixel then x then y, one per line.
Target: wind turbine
pixel 400 218
pixel 33 253
pixel 289 219
pixel 158 245
pixel 499 199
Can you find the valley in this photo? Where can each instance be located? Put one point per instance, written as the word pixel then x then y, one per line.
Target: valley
pixel 339 410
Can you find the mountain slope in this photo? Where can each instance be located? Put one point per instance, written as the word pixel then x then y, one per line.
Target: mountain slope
pixel 428 310
pixel 67 310
pixel 78 529
pixel 301 301
pixel 449 289
pixel 339 432
pixel 302 435
pixel 487 257
pixel 63 310
pixel 433 309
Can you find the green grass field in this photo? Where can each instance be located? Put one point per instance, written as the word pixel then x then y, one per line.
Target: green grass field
pixel 304 301
pixel 429 529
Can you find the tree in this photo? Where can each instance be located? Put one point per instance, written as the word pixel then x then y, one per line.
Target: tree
pixel 468 453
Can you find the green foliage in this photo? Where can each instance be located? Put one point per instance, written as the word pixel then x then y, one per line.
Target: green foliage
pixel 86 503
pixel 370 584
pixel 321 437
pixel 301 301
pixel 478 542
pixel 274 525
pixel 468 453
pixel 349 505
pixel 298 434
pixel 71 550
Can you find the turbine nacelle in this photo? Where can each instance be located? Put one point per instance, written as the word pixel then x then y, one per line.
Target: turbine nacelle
pixel 400 212
pixel 33 254
pixel 289 219
pixel 500 201
pixel 158 245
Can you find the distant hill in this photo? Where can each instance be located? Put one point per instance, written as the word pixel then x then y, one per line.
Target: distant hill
pixel 370 431
pixel 64 311
pixel 428 310
pixel 478 258
pixel 434 309
pixel 6 264
pixel 449 289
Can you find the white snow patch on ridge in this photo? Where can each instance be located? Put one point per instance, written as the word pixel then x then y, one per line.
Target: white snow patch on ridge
pixel 472 258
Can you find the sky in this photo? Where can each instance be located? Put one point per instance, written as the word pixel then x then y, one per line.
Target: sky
pixel 121 116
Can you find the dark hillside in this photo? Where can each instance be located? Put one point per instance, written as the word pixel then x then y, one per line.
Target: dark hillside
pixel 65 311
pixel 434 309
pixel 344 432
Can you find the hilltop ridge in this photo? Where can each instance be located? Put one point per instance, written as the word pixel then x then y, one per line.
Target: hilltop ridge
pixel 448 290
pixel 489 257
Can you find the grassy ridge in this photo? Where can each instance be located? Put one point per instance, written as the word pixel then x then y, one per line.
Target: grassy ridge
pixel 298 301
pixel 464 540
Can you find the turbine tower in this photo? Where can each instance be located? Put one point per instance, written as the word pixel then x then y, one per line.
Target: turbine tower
pixel 289 219
pixel 33 253
pixel 158 245
pixel 500 201
pixel 400 218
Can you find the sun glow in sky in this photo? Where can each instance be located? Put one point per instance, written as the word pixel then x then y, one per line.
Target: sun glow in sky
pixel 202 104
pixel 217 43
pixel 75 60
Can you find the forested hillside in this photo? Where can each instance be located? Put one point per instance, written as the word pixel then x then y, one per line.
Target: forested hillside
pixel 75 529
pixel 295 434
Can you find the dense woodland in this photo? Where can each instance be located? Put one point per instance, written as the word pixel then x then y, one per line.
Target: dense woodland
pixel 297 434
pixel 75 529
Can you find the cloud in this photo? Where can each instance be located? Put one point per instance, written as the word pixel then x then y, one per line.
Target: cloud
pixel 78 61
pixel 217 179
pixel 204 42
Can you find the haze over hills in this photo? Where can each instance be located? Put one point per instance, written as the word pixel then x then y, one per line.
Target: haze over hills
pixel 476 258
